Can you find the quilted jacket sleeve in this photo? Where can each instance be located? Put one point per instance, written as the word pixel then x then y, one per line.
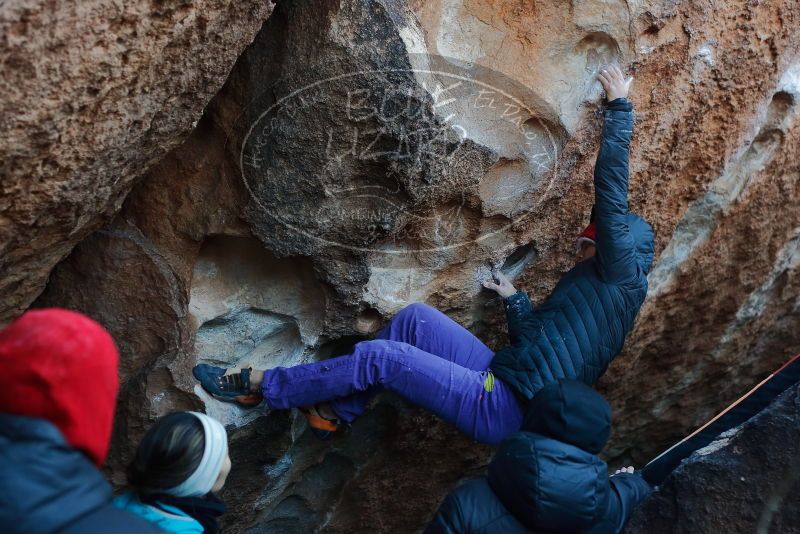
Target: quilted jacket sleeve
pixel 473 508
pixel 458 512
pixel 521 323
pixel 616 249
pixel 631 489
pixel 444 522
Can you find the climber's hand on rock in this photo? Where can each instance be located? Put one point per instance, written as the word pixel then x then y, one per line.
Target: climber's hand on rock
pixel 628 469
pixel 501 284
pixel 614 82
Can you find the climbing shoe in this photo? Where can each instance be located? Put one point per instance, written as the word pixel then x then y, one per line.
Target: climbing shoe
pixel 227 388
pixel 321 427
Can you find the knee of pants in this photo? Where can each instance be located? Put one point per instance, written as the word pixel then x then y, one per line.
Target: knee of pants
pixel 376 358
pixel 414 311
pixel 373 347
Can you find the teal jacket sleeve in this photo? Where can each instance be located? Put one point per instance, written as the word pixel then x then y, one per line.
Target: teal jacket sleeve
pixel 522 326
pixel 616 248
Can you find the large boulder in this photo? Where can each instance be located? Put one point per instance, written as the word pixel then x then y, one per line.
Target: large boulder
pixel 94 93
pixel 746 481
pixel 367 154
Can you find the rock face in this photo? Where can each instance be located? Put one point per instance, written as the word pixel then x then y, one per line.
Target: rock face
pixel 94 93
pixel 363 155
pixel 746 481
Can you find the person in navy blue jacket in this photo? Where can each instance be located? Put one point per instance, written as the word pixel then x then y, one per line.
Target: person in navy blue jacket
pixel 582 326
pixel 548 478
pixel 439 365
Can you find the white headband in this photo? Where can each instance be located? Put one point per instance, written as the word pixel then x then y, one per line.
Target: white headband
pixel 216 450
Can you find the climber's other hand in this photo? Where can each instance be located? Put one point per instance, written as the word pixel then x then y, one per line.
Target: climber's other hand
pixel 501 284
pixel 614 82
pixel 628 469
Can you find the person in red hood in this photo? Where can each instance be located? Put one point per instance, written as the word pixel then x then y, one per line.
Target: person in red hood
pixel 58 390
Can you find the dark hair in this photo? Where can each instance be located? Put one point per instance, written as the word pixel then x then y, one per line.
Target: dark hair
pixel 168 454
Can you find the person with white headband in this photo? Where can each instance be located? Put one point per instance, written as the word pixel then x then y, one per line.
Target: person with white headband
pixel 180 464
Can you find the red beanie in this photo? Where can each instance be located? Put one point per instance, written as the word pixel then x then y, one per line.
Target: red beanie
pixel 589 233
pixel 61 366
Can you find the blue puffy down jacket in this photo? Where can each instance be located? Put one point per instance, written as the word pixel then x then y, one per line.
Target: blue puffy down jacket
pixel 548 478
pixel 582 325
pixel 46 486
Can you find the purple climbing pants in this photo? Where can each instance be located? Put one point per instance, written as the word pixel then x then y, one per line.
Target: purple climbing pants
pixel 422 355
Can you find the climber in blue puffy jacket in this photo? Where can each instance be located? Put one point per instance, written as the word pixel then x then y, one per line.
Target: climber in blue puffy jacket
pixel 581 327
pixel 547 478
pixel 430 360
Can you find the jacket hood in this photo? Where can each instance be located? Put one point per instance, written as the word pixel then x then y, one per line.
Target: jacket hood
pixel 571 412
pixel 644 238
pixel 61 366
pixel 45 484
pixel 548 475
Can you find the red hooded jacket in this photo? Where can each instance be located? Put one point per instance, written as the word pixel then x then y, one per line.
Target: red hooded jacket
pixel 61 366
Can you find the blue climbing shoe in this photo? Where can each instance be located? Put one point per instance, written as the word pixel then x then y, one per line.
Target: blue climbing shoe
pixel 234 387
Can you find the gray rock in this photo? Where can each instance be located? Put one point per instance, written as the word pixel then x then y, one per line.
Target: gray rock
pixel 94 93
pixel 745 482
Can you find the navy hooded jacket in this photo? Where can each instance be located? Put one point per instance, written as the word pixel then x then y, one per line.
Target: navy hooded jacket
pixel 581 327
pixel 548 478
pixel 47 486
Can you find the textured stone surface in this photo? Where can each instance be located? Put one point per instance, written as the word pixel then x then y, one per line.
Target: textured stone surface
pixel 364 155
pixel 746 481
pixel 94 93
